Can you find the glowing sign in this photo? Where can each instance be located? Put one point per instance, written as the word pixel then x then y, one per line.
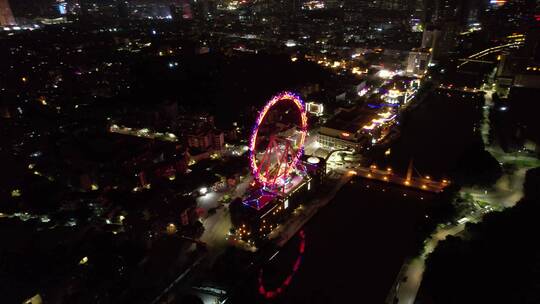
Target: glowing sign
pixel 315 108
pixel 62 8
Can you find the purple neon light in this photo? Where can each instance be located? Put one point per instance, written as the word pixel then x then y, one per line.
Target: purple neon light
pixel 253 140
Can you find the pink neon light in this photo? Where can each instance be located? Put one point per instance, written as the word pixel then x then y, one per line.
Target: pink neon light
pixel 261 178
pixel 287 282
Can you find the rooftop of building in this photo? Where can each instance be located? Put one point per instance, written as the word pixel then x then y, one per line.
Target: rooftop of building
pixel 259 198
pixel 351 121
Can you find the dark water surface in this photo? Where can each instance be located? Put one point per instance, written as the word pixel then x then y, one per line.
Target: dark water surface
pixel 354 247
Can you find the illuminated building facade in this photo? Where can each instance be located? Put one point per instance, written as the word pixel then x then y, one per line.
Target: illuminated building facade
pixel 332 138
pixel 205 140
pixel 263 209
pixel 439 39
pixel 316 109
pixel 345 130
pixel 6 15
pixel 418 62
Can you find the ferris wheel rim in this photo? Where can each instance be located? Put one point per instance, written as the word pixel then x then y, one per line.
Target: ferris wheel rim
pixel 300 105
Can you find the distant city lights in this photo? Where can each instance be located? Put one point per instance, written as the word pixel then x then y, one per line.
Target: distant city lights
pixel 385 74
pixel 313 5
pixel 290 43
pixel 203 190
pixel 497 2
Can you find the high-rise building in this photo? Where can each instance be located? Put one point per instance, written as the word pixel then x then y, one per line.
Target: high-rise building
pixel 418 62
pixel 440 40
pixel 455 11
pixel 444 20
pixel 459 12
pixel 6 15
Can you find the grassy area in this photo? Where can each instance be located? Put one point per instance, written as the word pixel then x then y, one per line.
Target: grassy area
pixel 482 204
pixel 529 163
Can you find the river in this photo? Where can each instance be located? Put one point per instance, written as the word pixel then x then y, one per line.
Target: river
pixel 354 247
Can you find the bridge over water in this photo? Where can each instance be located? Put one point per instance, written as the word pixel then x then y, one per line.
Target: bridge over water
pixel 422 183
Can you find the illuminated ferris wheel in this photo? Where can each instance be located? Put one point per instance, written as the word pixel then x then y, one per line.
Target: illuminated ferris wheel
pixel 274 153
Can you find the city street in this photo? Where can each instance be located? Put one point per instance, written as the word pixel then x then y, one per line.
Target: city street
pixel 217 225
pixel 412 272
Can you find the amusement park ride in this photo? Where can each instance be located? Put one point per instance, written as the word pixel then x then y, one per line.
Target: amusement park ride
pixel 282 154
pixel 283 177
pixel 282 174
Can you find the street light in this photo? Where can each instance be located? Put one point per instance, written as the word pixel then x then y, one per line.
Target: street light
pixel 171 228
pixel 83 261
pixel 203 190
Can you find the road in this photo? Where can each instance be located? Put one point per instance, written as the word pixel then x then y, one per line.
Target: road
pixel 217 225
pixel 508 190
pixel 413 270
